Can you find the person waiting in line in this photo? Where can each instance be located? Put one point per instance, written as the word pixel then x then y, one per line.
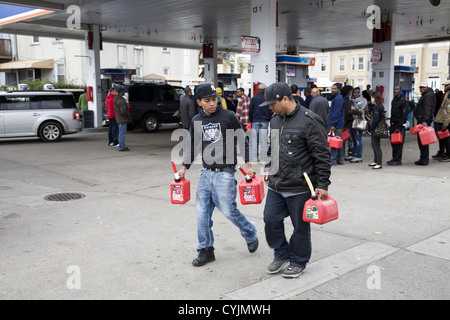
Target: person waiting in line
pixel 243 107
pixel 123 116
pixel 319 105
pixel 113 128
pixel 424 113
pixel 296 94
pixel 443 121
pixel 376 117
pixel 346 92
pixel 336 121
pixel 259 118
pixel 308 97
pixel 399 116
pixel 357 112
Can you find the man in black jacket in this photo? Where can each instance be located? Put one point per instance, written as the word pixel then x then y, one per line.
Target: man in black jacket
pixel 298 145
pixel 399 116
pixel 424 114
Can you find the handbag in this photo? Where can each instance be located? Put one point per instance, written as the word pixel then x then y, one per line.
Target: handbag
pixel 381 130
pixel 359 124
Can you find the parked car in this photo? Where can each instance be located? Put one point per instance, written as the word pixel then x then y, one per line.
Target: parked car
pixel 152 104
pixel 46 114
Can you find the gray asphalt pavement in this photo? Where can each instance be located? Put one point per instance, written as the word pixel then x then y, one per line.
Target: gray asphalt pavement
pixel 125 240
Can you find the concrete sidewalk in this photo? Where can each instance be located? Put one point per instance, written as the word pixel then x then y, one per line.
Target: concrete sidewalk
pixel 125 240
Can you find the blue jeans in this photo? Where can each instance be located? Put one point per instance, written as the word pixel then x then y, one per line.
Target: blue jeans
pixel 218 189
pixel 337 155
pixel 113 130
pixel 357 147
pixel 122 133
pixel 259 135
pixel 298 249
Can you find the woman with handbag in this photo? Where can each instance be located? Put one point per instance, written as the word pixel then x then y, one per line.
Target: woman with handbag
pixel 376 120
pixel 359 124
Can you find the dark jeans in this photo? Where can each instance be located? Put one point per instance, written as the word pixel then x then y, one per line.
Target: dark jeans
pixel 424 151
pixel 444 144
pixel 397 149
pixel 377 153
pixel 113 131
pixel 277 208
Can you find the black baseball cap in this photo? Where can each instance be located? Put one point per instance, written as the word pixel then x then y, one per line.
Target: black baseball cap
pixel 205 90
pixel 275 92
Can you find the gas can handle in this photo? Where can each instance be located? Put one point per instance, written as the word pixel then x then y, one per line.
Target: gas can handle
pixel 248 177
pixel 313 193
pixel 175 173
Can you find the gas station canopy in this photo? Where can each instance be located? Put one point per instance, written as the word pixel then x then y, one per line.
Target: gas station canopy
pixel 313 25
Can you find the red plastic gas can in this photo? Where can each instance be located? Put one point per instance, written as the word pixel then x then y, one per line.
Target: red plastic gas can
pixel 180 189
pixel 397 138
pixel 443 134
pixel 427 136
pixel 251 190
pixel 180 192
pixel 416 129
pixel 318 210
pixel 335 142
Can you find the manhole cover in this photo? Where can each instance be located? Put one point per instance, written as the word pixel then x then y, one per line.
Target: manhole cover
pixel 64 196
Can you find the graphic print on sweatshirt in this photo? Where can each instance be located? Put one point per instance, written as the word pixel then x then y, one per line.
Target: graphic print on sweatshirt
pixel 212 132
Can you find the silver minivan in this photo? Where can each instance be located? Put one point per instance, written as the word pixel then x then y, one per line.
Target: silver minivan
pixel 46 114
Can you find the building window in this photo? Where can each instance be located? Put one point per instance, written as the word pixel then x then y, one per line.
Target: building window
pixel 401 60
pixel 166 50
pixel 122 55
pixel 57 40
pixel 360 63
pixel 60 72
pixel 342 64
pixel 166 71
pixel 323 65
pixel 34 40
pixel 435 60
pixel 139 71
pixel 353 64
pixel 413 61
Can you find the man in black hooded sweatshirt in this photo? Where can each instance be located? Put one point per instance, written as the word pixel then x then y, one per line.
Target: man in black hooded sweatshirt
pixel 424 114
pixel 218 129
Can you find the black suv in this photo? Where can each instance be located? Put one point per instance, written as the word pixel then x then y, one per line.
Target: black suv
pixel 152 104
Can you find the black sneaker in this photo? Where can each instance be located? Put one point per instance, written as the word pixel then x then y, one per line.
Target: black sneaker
pixel 438 156
pixel 253 246
pixel 206 255
pixel 293 271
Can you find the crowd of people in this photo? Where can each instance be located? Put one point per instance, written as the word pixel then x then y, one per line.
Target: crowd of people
pixel 349 109
pixel 302 126
pixel 351 112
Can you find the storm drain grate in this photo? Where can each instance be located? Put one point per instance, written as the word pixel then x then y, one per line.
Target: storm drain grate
pixel 64 197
